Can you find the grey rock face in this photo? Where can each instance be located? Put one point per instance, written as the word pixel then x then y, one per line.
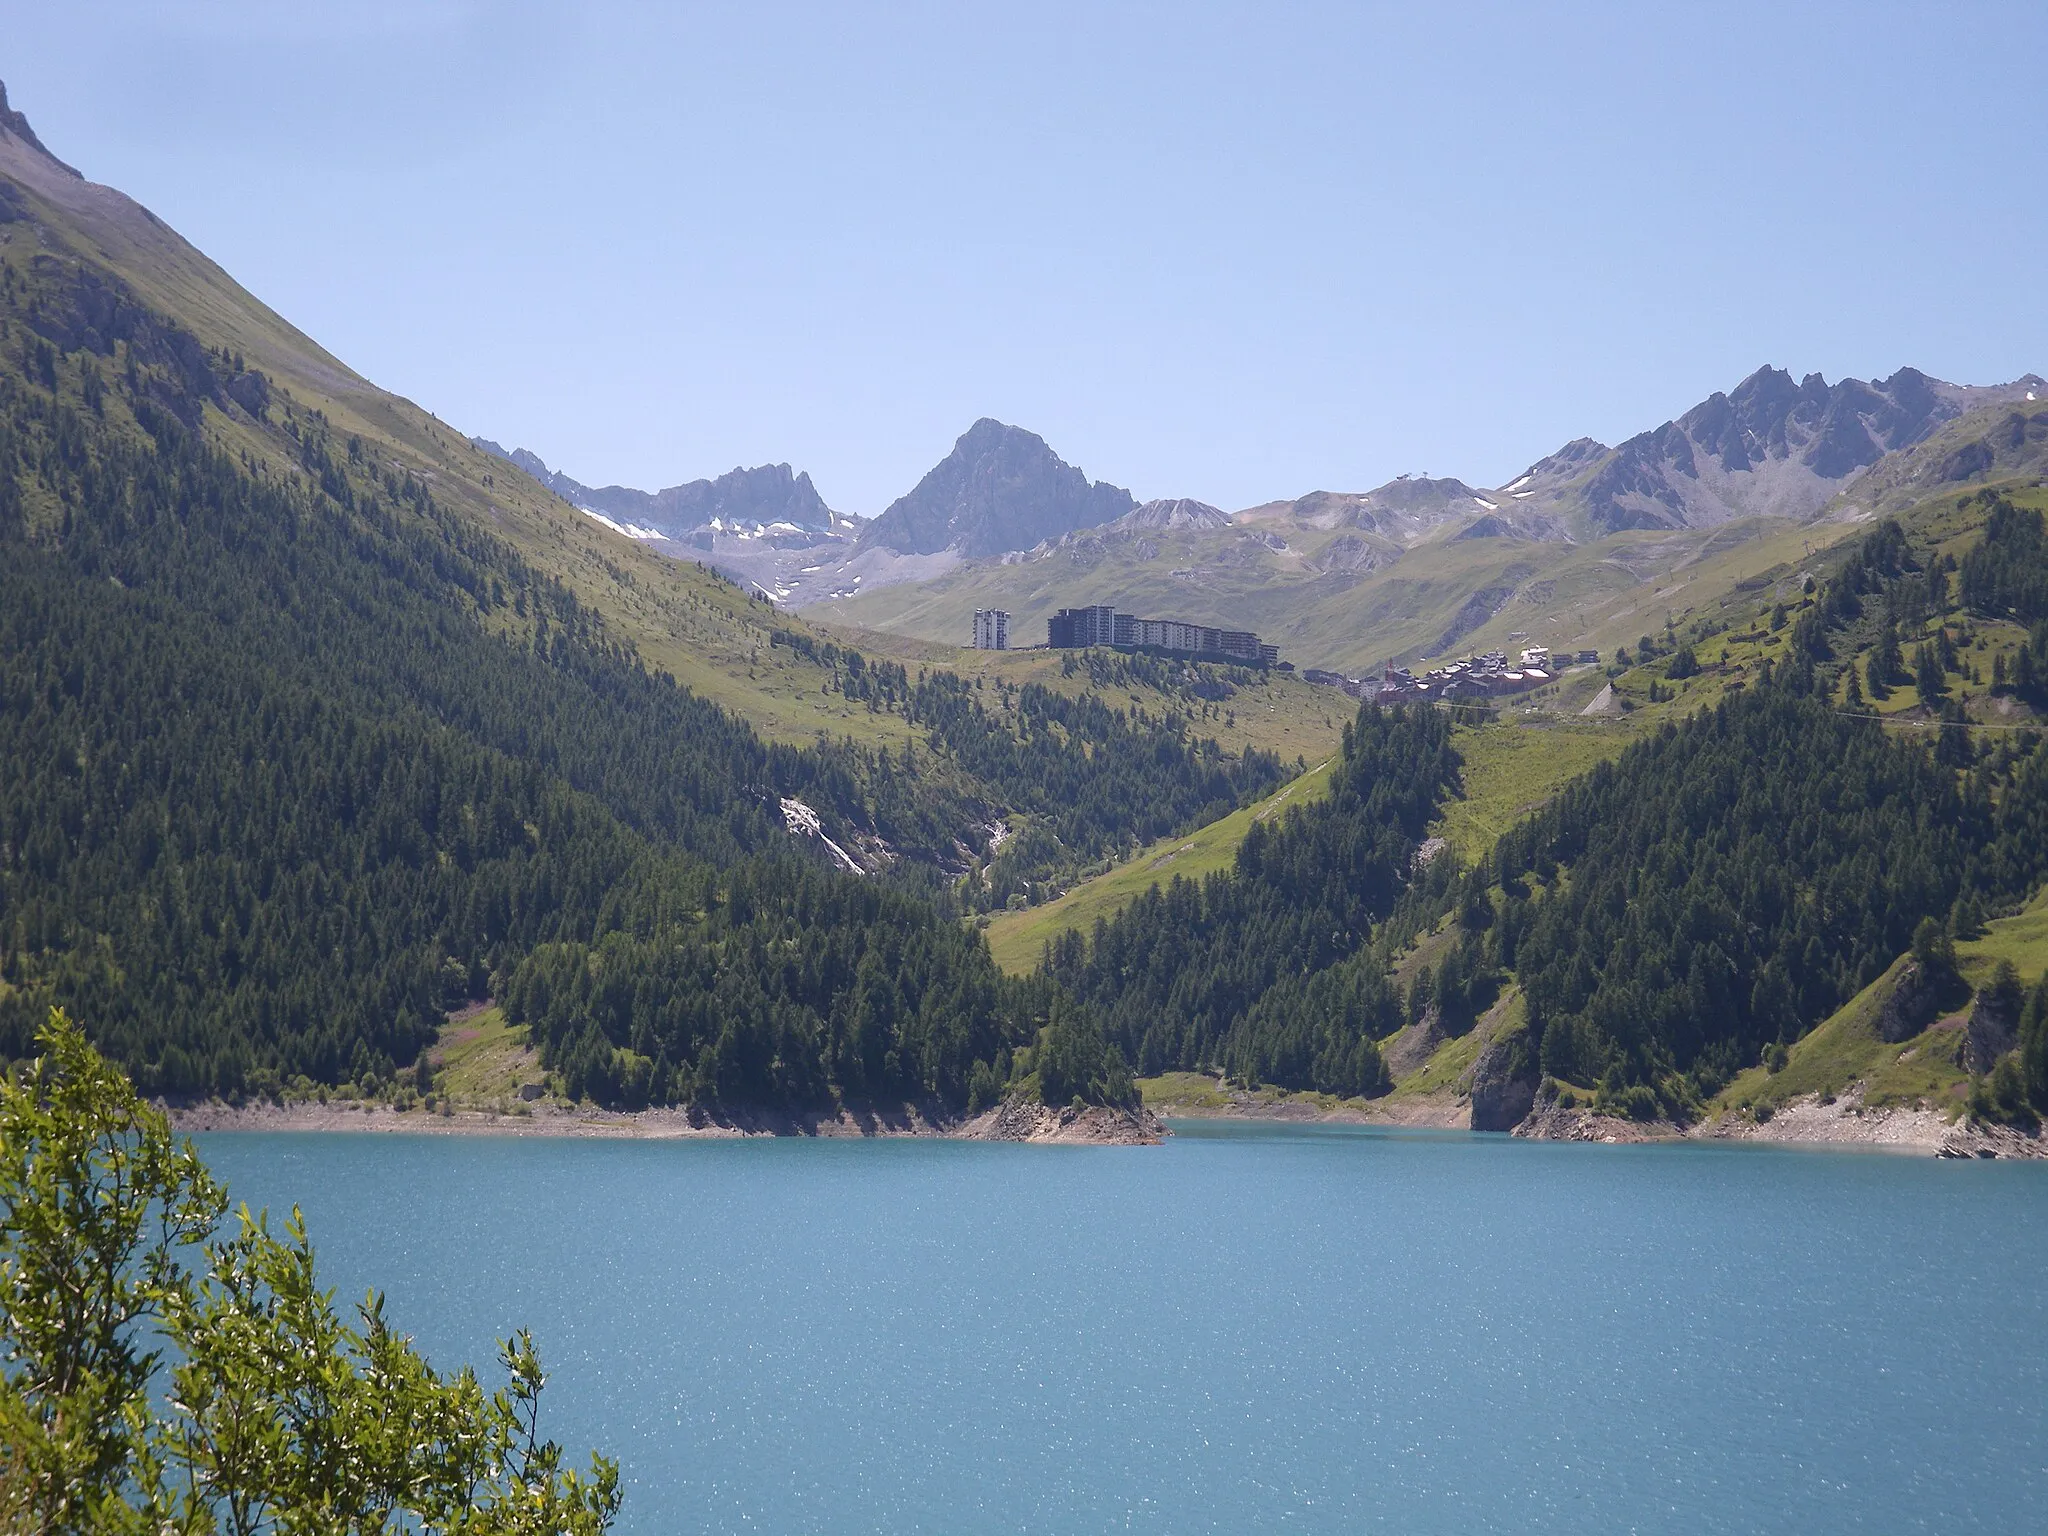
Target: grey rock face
pixel 1001 489
pixel 1504 1081
pixel 1911 1007
pixel 1992 1030
pixel 769 493
pixel 1176 514
pixel 1768 447
pixel 1416 1042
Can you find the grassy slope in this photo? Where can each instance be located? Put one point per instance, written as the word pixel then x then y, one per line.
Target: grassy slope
pixel 1511 768
pixel 1597 595
pixel 1845 1051
pixel 1514 766
pixel 1017 938
pixel 482 1062
pixel 712 636
pixel 1281 713
pixel 2021 938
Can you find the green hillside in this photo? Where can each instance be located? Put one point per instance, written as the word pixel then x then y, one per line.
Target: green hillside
pixel 101 249
pixel 1689 906
pixel 315 726
pixel 1016 939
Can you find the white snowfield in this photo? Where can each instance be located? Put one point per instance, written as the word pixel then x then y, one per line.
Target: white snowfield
pixel 628 529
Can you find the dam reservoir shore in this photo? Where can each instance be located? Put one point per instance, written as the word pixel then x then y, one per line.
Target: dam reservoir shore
pixel 1845 1123
pixel 1255 1327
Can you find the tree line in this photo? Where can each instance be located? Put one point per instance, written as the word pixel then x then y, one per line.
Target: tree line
pixel 1241 971
pixel 293 760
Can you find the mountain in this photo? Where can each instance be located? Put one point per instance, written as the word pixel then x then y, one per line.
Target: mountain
pixel 1574 552
pixel 1768 448
pixel 318 721
pixel 1997 443
pixel 1407 511
pixel 1178 513
pixel 769 499
pixel 1000 489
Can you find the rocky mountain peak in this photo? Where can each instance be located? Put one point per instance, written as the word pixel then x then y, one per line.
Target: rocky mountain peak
pixel 1000 489
pixel 1767 447
pixel 1177 513
pixel 766 494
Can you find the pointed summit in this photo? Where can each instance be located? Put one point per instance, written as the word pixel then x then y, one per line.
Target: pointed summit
pixel 14 125
pixel 1000 489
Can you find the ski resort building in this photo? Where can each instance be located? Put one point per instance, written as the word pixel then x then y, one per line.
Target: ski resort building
pixel 991 629
pixel 1073 628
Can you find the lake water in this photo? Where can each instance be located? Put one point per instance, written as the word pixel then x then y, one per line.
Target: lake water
pixel 1250 1329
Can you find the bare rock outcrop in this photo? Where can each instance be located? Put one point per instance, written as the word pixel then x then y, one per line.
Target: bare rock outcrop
pixel 1914 1004
pixel 1504 1081
pixel 1992 1030
pixel 1415 1043
pixel 1551 1119
pixel 1094 1124
pixel 1977 1138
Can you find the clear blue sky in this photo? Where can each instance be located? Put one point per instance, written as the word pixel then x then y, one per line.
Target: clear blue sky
pixel 1226 252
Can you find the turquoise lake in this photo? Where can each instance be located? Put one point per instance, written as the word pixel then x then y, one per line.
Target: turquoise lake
pixel 1249 1329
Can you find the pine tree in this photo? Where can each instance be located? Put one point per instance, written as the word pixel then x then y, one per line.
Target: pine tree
pixel 2034 1046
pixel 1928 679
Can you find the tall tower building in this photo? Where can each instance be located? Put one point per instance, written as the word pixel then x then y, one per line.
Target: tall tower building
pixel 991 629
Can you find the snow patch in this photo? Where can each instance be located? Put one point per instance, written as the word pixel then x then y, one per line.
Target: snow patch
pixel 630 530
pixel 1490 506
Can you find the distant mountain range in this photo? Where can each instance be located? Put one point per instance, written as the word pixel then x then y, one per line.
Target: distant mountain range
pixel 1768 448
pixel 768 499
pixel 1574 550
pixel 1001 489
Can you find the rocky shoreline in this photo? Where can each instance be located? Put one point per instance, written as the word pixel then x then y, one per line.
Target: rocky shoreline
pixel 1845 1122
pixel 1011 1121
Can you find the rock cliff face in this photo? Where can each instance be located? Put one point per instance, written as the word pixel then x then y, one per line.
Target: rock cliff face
pixel 1768 447
pixel 1992 1030
pixel 1504 1081
pixel 1175 515
pixel 1415 1043
pixel 742 498
pixel 1402 512
pixel 15 125
pixel 1913 1005
pixel 1001 489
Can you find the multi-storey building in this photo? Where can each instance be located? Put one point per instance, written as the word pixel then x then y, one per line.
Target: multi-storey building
pixel 991 629
pixel 1102 625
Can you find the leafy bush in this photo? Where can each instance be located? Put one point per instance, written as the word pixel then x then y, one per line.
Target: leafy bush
pixel 279 1414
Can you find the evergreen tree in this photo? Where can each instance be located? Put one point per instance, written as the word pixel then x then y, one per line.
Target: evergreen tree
pixel 1928 680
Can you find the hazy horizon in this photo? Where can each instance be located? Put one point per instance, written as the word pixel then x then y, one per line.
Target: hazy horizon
pixel 1212 252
